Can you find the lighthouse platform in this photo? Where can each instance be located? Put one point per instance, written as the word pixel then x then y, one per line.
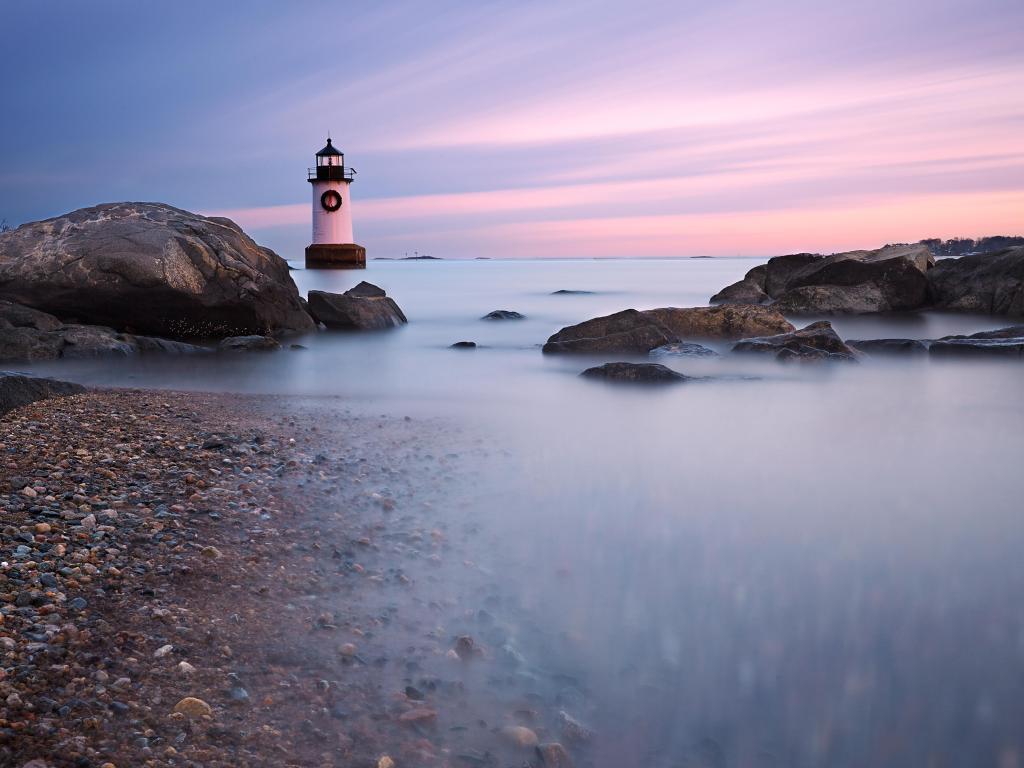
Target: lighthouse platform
pixel 335 256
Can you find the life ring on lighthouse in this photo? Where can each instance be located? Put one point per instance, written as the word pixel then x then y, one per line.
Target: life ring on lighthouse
pixel 330 200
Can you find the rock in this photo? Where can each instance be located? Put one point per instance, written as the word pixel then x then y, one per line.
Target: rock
pixel 682 349
pixel 41 340
pixel 185 668
pixel 26 317
pixel 151 268
pixel 625 332
pixel 888 346
pixel 519 735
pixel 988 283
pixel 347 649
pixel 503 314
pixel 1004 342
pixel 464 345
pixel 248 344
pixel 162 651
pixel 211 553
pixel 17 389
pixel 419 716
pixel 553 755
pixel 385 761
pixel 833 300
pixel 465 647
pixel 727 323
pixel 573 730
pixel 193 707
pixel 366 290
pixel 635 373
pixel 93 341
pixel 892 278
pixel 815 342
pixel 569 292
pixel 363 308
pixel 749 290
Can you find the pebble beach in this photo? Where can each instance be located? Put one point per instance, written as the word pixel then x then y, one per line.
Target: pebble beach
pixel 199 580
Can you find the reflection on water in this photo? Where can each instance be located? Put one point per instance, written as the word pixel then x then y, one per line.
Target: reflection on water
pixel 819 567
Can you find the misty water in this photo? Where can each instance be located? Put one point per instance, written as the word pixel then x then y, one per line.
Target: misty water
pixel 775 565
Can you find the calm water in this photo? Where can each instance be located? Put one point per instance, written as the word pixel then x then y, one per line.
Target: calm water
pixel 794 567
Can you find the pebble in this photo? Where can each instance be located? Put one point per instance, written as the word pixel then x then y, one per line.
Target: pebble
pixel 193 707
pixel 162 651
pixel 554 755
pixel 419 716
pixel 185 668
pixel 520 736
pixel 385 762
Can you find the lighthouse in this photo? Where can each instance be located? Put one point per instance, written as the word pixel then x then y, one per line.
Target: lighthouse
pixel 332 244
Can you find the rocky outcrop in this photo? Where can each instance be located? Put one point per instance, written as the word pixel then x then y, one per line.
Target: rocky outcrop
pixel 363 308
pixel 989 283
pixel 634 373
pixel 892 278
pixel 815 342
pixel 17 389
pixel 28 334
pixel 150 268
pixel 634 332
pixel 503 314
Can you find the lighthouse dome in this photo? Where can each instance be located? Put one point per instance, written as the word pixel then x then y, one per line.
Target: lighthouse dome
pixel 329 151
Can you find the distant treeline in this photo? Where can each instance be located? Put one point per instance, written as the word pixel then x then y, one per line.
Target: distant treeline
pixel 959 246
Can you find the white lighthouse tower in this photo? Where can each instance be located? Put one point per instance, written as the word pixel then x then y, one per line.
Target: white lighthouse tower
pixel 332 244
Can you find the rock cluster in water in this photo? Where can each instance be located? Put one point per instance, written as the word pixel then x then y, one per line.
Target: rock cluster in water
pixel 891 279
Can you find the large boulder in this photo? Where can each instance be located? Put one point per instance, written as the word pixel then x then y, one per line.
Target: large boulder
pixel 363 308
pixel 889 347
pixel 988 283
pixel 17 389
pixel 638 332
pixel 815 342
pixel 634 373
pixel 888 279
pixel 150 268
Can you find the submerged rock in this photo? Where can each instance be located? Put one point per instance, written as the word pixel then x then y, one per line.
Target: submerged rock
pixel 150 268
pixel 635 373
pixel 818 341
pixel 1004 342
pixel 553 755
pixel 683 349
pixel 363 308
pixel 503 314
pixel 988 283
pixel 570 292
pixel 464 345
pixel 17 389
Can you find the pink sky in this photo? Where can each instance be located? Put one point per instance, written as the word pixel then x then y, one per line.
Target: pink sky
pixel 738 129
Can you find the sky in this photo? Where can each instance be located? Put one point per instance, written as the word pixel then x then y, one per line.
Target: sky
pixel 529 129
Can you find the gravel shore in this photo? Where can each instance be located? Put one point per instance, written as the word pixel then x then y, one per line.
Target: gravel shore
pixel 212 580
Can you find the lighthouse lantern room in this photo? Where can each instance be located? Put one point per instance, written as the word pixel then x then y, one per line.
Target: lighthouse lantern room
pixel 332 244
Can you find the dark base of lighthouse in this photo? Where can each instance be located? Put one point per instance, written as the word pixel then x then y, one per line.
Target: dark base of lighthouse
pixel 348 256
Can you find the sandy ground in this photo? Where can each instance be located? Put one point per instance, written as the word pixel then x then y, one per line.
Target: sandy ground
pixel 215 580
